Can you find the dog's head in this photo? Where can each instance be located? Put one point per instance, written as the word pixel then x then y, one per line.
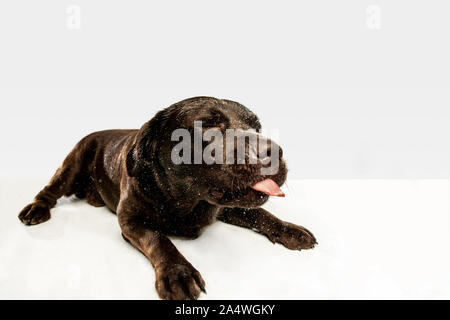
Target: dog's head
pixel 208 149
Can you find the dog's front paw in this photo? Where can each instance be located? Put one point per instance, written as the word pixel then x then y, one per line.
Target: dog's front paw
pixel 293 237
pixel 35 213
pixel 179 282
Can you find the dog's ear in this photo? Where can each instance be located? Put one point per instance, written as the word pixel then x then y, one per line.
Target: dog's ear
pixel 145 147
pixel 131 162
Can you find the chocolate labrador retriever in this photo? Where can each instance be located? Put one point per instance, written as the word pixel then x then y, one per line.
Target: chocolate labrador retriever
pixel 134 174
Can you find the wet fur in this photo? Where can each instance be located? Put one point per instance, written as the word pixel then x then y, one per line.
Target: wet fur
pixel 130 172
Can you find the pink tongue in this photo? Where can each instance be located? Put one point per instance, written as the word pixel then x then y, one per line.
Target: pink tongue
pixel 269 187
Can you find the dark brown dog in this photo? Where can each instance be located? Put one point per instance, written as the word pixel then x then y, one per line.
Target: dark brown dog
pixel 132 173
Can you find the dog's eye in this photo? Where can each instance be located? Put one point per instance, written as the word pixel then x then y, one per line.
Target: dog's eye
pixel 206 123
pixel 216 120
pixel 219 128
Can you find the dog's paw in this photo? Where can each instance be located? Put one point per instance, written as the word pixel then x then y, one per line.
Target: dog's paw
pixel 179 282
pixel 293 237
pixel 34 213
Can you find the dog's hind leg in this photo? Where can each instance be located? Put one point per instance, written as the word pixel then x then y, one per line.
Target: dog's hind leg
pixel 66 181
pixel 93 197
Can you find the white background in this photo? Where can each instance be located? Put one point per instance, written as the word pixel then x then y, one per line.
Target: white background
pixel 349 102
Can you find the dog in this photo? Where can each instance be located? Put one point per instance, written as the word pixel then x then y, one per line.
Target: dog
pixel 134 174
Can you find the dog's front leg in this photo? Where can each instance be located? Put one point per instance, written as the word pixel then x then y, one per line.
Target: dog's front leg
pixel 290 235
pixel 176 278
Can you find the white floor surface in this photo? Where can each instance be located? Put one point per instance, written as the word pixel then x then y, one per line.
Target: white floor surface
pixel 377 239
